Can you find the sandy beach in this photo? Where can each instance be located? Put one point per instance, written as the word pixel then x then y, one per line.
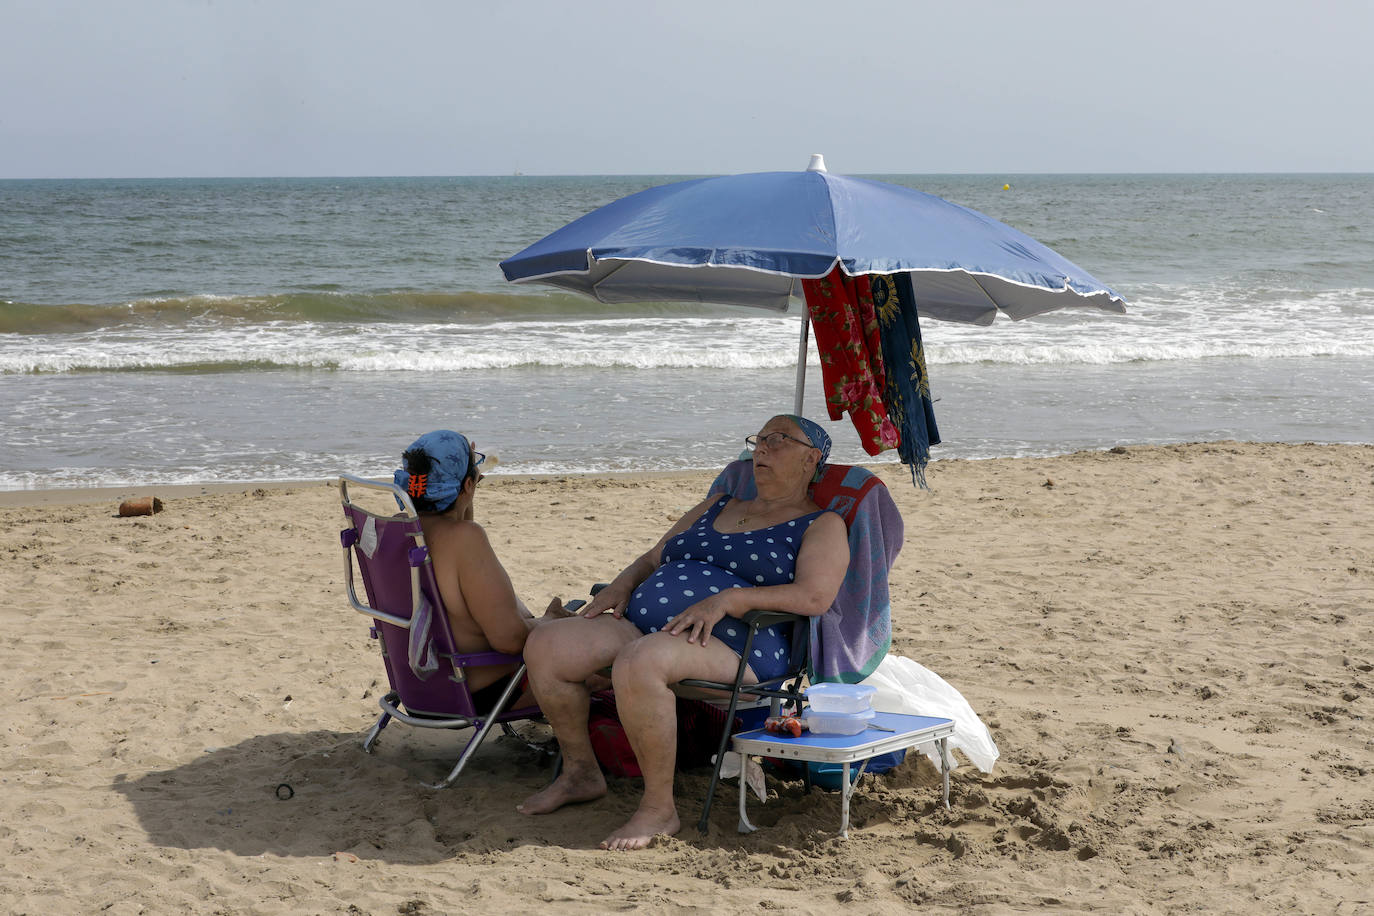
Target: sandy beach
pixel 165 674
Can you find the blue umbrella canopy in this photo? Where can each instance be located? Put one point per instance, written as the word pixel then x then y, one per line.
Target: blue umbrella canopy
pixel 750 239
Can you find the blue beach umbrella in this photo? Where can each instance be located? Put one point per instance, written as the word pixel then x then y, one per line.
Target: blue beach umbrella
pixel 750 239
pixel 753 239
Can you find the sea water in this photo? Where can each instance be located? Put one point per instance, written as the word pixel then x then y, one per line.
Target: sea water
pixel 184 331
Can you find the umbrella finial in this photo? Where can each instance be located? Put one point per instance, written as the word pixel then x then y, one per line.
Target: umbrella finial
pixel 817 163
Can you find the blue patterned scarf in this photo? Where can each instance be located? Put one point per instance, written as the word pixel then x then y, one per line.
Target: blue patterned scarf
pixel 906 393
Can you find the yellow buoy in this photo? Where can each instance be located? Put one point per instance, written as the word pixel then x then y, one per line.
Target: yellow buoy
pixel 1006 187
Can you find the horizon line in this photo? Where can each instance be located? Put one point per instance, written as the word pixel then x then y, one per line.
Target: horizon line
pixel 518 174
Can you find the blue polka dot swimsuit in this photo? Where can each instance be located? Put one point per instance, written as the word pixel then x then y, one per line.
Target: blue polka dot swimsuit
pixel 701 562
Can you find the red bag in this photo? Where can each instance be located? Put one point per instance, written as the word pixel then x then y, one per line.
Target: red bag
pixel 609 741
pixel 698 734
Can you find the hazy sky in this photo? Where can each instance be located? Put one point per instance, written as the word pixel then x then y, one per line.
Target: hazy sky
pixel 141 88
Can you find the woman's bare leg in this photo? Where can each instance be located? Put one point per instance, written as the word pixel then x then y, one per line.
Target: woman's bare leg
pixel 647 706
pixel 561 655
pixel 555 611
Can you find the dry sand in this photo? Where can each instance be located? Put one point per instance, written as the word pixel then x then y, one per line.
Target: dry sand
pixel 163 675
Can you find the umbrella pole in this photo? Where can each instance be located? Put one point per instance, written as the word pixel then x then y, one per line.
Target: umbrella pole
pixel 801 361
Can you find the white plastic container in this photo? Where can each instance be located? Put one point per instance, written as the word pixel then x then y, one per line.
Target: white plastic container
pixel 827 698
pixel 837 723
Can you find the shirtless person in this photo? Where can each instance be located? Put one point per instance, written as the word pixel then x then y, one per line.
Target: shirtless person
pixel 441 474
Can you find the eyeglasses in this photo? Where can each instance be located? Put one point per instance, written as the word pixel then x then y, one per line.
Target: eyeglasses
pixel 773 441
pixel 478 458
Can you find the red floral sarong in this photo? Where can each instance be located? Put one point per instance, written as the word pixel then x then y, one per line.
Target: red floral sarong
pixel 852 372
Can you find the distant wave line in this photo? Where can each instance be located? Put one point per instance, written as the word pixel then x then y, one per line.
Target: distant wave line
pixel 399 306
pixel 500 309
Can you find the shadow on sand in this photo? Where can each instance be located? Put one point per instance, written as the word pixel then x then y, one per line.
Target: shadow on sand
pixel 317 793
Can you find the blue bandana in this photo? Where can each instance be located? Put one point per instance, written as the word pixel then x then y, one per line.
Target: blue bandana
pixel 435 465
pixel 819 438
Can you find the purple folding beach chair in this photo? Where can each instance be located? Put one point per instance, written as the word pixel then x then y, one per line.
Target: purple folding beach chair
pixel 428 675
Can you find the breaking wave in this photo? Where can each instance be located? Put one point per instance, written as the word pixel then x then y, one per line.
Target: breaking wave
pixel 321 306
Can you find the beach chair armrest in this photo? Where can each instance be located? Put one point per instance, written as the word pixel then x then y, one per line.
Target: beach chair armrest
pixel 485 659
pixel 757 620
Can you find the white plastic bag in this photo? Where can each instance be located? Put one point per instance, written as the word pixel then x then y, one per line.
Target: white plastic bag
pixel 753 777
pixel 912 689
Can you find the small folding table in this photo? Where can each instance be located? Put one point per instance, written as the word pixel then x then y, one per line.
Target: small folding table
pixel 887 732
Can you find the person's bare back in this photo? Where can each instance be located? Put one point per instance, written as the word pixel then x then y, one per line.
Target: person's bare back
pixel 441 475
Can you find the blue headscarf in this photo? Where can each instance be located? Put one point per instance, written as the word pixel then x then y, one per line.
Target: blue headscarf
pixel 819 439
pixel 435 465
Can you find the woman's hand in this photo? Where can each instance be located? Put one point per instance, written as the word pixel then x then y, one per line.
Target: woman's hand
pixel 697 620
pixel 612 598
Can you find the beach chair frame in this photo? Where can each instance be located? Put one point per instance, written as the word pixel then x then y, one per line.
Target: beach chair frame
pixel 398 579
pixel 779 690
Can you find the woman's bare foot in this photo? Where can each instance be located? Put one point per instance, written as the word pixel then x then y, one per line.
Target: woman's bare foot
pixel 639 831
pixel 568 788
pixel 556 610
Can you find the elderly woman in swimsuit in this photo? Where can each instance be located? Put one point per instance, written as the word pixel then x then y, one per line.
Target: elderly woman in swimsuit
pixel 672 614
